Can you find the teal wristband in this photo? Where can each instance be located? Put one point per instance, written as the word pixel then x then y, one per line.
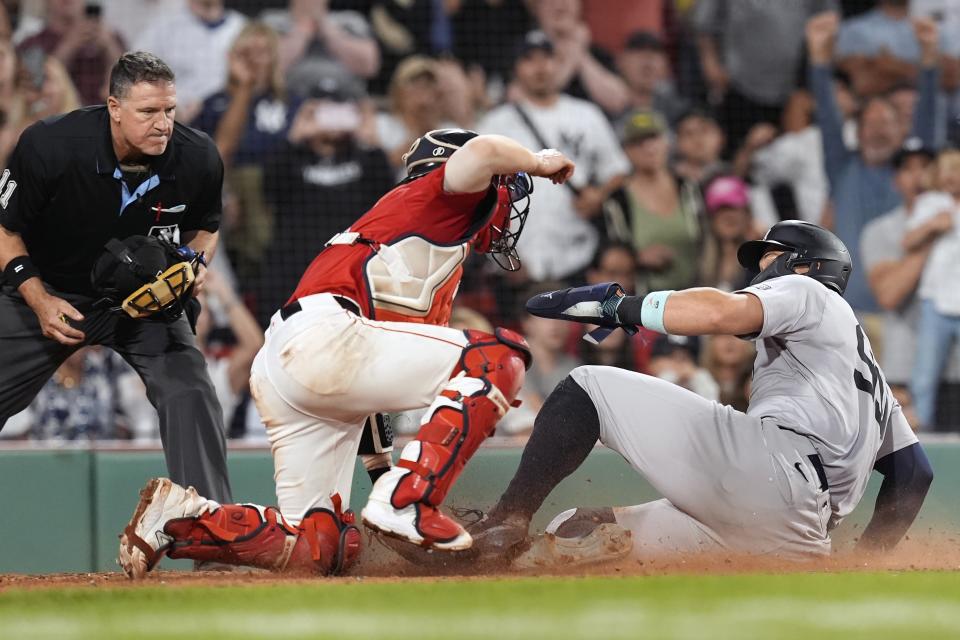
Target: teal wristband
pixel 651 311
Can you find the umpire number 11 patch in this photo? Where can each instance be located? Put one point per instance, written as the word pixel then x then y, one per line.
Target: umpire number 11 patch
pixel 7 187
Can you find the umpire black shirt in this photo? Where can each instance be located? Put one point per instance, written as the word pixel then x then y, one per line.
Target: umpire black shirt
pixel 63 192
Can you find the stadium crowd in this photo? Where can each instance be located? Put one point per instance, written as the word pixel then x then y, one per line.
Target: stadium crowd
pixel 695 125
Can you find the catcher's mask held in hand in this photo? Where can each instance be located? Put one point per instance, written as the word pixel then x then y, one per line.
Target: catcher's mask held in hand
pixel 145 276
pixel 500 236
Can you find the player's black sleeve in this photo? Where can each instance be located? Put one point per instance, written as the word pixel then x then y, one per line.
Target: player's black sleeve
pixel 208 205
pixel 24 190
pixel 906 477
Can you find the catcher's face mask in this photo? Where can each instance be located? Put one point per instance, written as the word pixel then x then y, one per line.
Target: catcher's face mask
pixel 506 227
pixel 163 294
pixel 146 277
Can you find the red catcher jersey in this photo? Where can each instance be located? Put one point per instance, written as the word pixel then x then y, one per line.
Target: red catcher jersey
pixel 407 263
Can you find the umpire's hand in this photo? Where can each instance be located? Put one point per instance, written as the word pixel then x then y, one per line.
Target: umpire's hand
pixel 54 315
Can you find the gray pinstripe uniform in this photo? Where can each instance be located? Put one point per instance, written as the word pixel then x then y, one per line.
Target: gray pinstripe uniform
pixel 746 481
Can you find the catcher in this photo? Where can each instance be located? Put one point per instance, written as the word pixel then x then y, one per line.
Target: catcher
pixel 774 480
pixel 99 174
pixel 363 334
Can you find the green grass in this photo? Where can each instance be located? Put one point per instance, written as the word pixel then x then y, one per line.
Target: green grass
pixel 802 606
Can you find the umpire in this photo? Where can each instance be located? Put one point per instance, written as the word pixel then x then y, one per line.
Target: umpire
pixel 74 182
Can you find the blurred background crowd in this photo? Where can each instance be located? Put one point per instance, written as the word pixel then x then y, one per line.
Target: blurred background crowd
pixel 695 125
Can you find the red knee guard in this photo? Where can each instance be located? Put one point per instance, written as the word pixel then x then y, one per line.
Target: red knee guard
pixel 326 542
pixel 481 390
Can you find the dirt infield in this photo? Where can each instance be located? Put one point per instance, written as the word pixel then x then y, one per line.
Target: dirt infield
pixel 927 553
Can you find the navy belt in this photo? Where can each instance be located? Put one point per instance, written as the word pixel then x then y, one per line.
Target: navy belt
pixel 294 307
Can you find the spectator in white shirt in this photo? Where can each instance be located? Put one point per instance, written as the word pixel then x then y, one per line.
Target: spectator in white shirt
pixel 795 157
pixel 894 274
pixel 560 240
pixel 937 214
pixel 194 41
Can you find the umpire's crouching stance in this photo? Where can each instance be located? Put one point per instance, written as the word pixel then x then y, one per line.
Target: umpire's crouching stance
pixel 75 182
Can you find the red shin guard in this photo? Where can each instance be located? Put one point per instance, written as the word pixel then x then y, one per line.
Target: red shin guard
pixel 465 414
pixel 325 542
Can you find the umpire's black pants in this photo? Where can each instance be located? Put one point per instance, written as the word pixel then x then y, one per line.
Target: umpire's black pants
pixel 167 360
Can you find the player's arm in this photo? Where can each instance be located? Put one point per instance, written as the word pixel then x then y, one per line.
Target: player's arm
pixel 906 478
pixel 472 166
pixel 691 312
pixel 694 312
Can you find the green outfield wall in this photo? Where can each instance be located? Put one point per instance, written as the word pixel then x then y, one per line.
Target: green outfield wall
pixel 62 509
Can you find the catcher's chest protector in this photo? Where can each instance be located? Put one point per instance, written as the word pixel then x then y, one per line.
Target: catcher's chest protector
pixel 403 260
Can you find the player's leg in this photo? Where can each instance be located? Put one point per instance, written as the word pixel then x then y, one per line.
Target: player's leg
pixel 333 365
pixel 313 457
pixel 27 358
pixel 313 469
pixel 174 373
pixel 710 461
pixel 404 503
pixel 171 520
pixel 750 481
pixel 564 433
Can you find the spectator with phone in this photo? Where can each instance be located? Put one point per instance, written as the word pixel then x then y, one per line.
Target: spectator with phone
pixel 75 35
pixel 249 120
pixel 317 184
pixel 36 87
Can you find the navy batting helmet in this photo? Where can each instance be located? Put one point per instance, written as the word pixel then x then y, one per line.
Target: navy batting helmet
pixel 432 149
pixel 803 243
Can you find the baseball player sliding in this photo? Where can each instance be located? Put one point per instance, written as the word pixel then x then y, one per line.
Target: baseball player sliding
pixel 364 334
pixel 774 480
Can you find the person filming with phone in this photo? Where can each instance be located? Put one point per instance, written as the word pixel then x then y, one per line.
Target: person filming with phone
pixel 319 184
pixel 76 35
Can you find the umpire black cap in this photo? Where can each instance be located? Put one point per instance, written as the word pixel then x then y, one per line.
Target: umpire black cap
pixel 803 243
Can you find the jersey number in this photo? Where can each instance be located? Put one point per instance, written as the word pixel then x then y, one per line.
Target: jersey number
pixel 6 188
pixel 875 385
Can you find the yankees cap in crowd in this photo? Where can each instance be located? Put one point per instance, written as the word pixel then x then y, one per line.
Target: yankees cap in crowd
pixel 913 146
pixel 533 41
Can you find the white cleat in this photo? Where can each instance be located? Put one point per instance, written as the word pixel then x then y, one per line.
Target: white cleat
pixel 605 543
pixel 414 523
pixel 143 541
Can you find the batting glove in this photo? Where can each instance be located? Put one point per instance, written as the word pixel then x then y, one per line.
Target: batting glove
pixel 595 304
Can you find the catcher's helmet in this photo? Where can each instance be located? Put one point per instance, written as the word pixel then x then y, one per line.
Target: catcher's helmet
pixel 145 276
pixel 803 243
pixel 432 149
